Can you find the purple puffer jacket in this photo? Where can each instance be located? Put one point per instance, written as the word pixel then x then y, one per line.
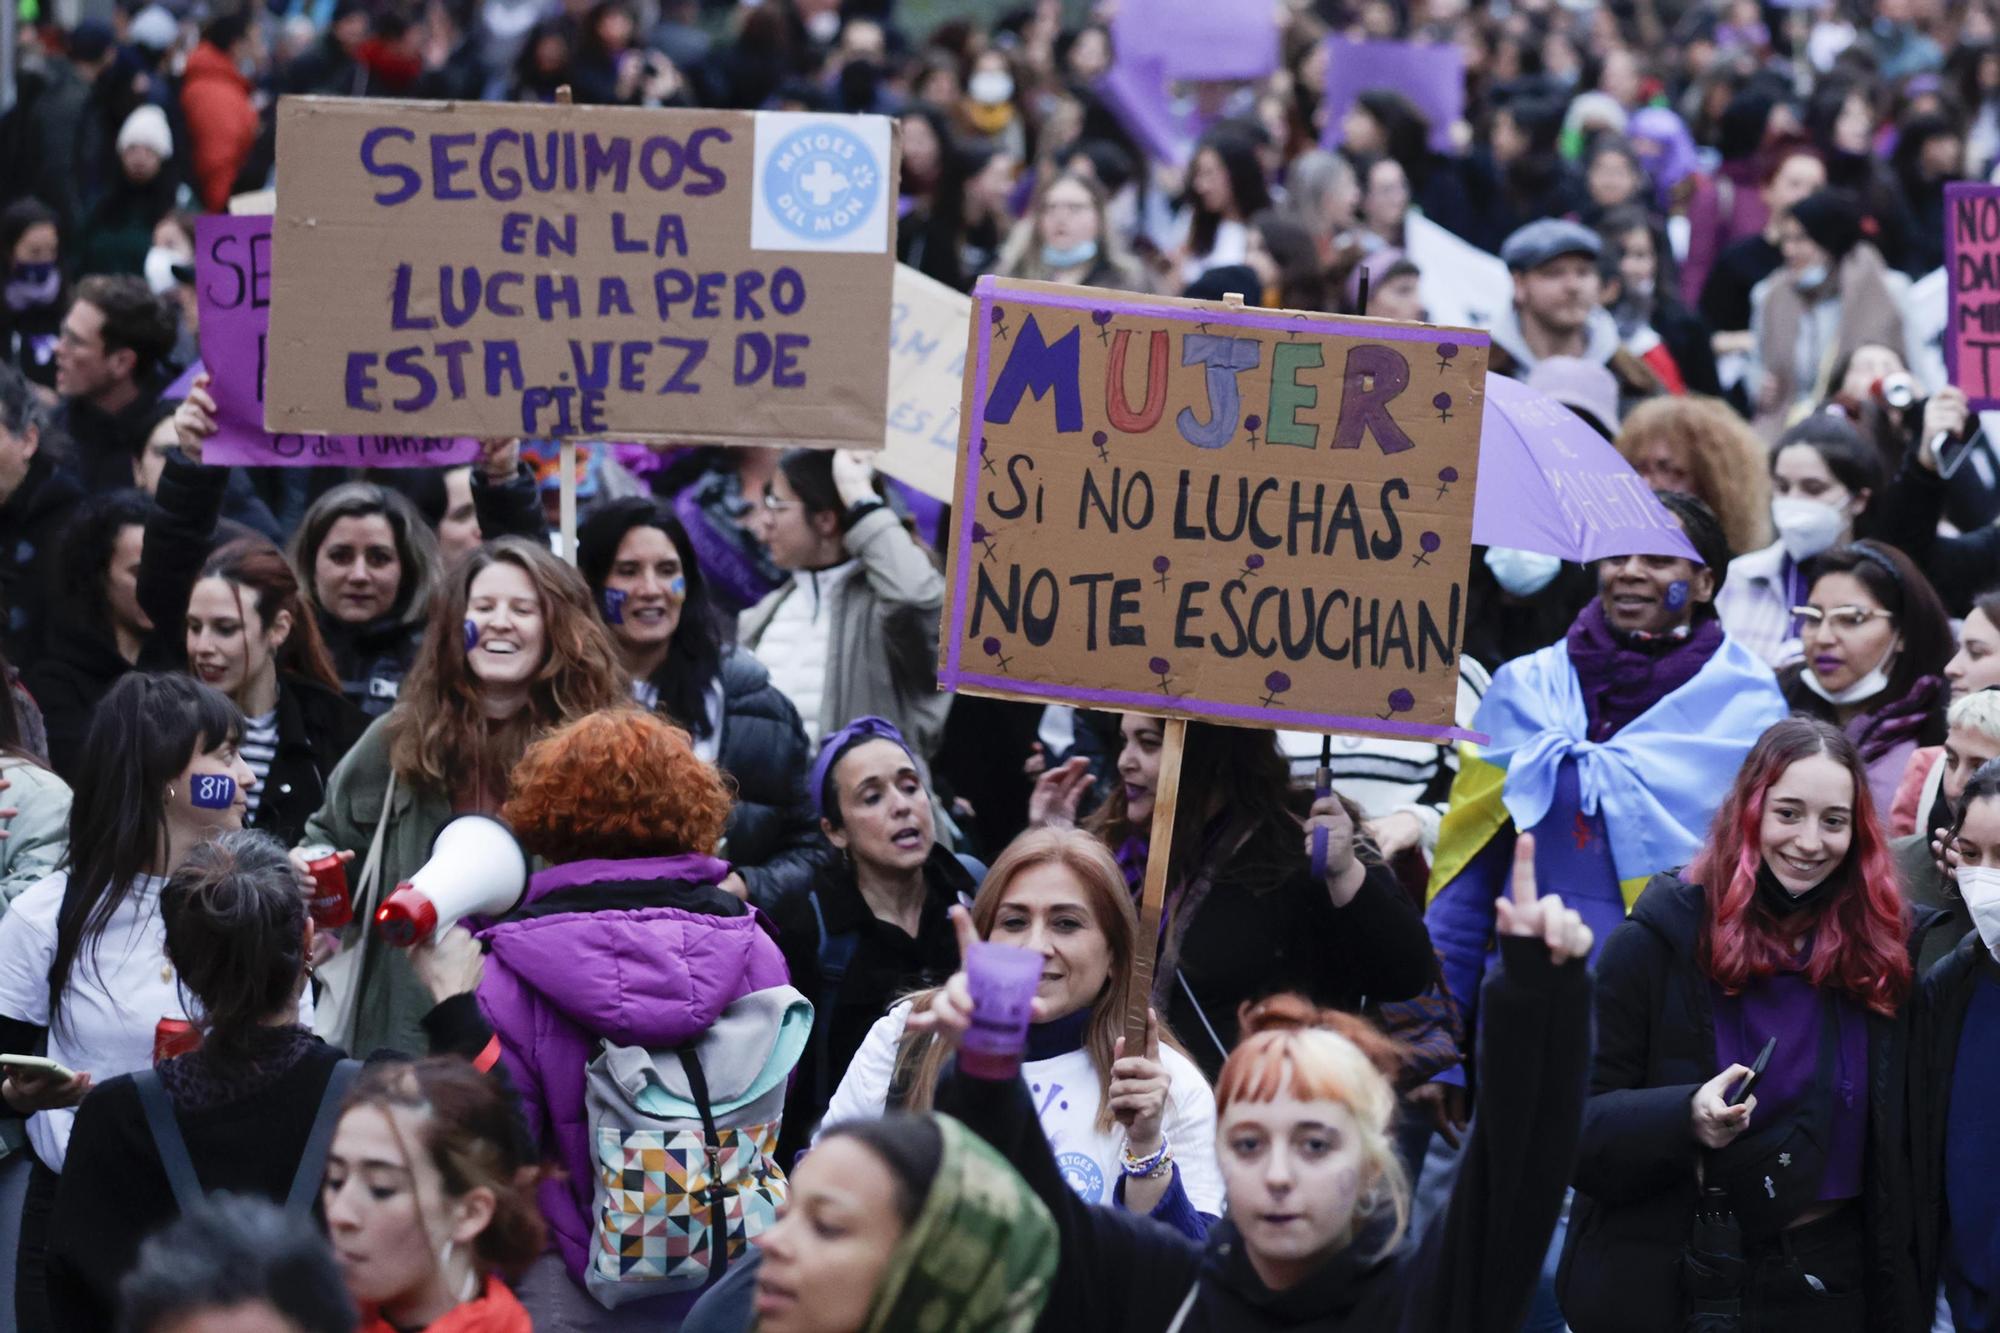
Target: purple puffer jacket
pixel 653 977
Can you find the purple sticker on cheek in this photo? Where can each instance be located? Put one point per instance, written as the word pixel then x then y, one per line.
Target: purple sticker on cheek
pixel 677 586
pixel 212 791
pixel 1677 594
pixel 471 636
pixel 613 602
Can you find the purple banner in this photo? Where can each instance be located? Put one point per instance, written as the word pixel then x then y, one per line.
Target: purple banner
pixel 1433 77
pixel 232 273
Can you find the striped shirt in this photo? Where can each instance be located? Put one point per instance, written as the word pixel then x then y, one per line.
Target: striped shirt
pixel 259 749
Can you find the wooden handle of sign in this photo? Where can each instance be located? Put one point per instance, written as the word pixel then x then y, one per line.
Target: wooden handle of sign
pixel 1166 800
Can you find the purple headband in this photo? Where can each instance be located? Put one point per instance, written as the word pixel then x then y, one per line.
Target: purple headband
pixel 860 730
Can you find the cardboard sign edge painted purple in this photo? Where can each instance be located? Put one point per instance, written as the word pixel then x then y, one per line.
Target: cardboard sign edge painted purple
pixel 1953 192
pixel 952 674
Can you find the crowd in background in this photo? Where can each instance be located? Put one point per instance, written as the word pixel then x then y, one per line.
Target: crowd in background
pixel 712 1068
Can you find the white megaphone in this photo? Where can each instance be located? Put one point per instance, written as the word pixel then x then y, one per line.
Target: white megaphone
pixel 476 868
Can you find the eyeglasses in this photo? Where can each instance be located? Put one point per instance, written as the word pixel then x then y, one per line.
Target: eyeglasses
pixel 773 505
pixel 1844 619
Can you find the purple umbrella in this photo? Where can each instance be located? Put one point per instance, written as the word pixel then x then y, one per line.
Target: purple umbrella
pixel 1550 483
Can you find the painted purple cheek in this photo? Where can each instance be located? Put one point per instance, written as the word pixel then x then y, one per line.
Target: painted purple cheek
pixel 212 791
pixel 613 601
pixel 471 636
pixel 1677 594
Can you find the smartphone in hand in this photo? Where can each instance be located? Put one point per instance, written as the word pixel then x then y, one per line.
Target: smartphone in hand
pixel 1749 1083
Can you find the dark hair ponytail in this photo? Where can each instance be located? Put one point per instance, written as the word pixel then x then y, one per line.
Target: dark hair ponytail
pixel 236 926
pixel 141 738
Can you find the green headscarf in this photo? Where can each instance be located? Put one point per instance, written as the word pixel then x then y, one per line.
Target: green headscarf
pixel 980 1255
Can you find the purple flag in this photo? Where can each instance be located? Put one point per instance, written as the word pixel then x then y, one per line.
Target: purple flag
pixel 232 273
pixel 1162 47
pixel 1548 482
pixel 1432 76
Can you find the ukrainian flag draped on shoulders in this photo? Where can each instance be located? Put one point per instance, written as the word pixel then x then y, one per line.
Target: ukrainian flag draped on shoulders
pixel 1607 815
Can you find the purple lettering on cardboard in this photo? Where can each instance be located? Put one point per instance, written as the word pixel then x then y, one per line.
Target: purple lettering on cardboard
pixel 232 286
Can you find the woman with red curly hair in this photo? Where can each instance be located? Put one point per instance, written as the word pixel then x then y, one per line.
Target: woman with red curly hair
pixel 1787 928
pixel 625 937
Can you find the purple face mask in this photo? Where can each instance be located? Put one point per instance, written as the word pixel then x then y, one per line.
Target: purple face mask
pixel 212 791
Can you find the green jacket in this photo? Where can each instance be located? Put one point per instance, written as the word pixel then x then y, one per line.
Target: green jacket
pixel 38 836
pixel 392 1000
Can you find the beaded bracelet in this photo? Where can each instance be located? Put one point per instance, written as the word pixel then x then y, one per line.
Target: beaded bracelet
pixel 1151 1165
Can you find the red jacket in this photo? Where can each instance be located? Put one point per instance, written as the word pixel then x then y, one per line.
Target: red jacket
pixel 215 98
pixel 494 1311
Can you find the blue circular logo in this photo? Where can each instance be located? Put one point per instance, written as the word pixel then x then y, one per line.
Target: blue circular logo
pixel 821 182
pixel 1084 1177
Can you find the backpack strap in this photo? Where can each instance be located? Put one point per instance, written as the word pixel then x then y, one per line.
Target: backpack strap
pixel 718 1199
pixel 312 1162
pixel 167 1139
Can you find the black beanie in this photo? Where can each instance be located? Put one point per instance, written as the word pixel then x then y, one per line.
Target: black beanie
pixel 1833 219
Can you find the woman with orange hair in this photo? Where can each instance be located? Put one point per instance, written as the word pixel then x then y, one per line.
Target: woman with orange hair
pixel 626 937
pixel 1701 447
pixel 1317 1235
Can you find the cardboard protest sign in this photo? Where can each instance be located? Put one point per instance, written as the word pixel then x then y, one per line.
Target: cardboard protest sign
pixel 1255 517
pixel 583 272
pixel 1430 75
pixel 926 368
pixel 232 284
pixel 1972 291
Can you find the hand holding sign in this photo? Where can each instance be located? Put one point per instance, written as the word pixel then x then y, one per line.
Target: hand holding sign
pixel 194 419
pixel 1528 914
pixel 1344 872
pixel 1139 1087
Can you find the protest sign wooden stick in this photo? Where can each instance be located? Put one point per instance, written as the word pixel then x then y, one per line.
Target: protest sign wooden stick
pixel 1166 800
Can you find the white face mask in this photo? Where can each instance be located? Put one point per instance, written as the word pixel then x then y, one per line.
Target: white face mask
pixel 824 26
pixel 160 263
pixel 1522 573
pixel 1811 279
pixel 1806 527
pixel 1980 887
pixel 1867 687
pixel 991 87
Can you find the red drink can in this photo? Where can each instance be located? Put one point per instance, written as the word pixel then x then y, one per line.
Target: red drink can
pixel 174 1036
pixel 331 907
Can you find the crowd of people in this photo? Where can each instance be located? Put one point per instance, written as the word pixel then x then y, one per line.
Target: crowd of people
pixel 1671 1005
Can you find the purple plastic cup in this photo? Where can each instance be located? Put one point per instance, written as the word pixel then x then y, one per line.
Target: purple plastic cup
pixel 1003 980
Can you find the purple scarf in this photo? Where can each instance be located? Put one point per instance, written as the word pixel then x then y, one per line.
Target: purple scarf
pixel 1881 730
pixel 1131 856
pixel 1621 676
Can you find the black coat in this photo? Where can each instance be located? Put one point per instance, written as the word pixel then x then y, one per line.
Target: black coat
pixel 1266 925
pixel 105 444
pixel 31 524
pixel 1635 1178
pixel 78 667
pixel 1474 1268
pixel 1937 1023
pixel 316 728
pixel 372 659
pixel 773 838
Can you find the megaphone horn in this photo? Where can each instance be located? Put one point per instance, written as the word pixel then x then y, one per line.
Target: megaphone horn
pixel 477 868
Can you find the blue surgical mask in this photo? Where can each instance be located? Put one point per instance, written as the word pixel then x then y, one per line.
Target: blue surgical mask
pixel 1522 573
pixel 1813 278
pixel 1069 256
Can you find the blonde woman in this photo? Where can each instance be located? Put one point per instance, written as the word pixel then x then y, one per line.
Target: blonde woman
pixel 1316 1234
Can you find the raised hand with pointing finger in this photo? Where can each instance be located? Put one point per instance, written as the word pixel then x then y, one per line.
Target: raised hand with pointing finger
pixel 1526 912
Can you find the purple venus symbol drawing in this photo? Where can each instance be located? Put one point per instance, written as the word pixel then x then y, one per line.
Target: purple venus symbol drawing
pixel 984 536
pixel 1443 404
pixel 1275 684
pixel 991 647
pixel 1251 564
pixel 1430 541
pixel 1160 566
pixel 1100 440
pixel 1000 320
pixel 1446 352
pixel 1161 667
pixel 1102 319
pixel 1400 701
pixel 1446 476
pixel 1253 423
